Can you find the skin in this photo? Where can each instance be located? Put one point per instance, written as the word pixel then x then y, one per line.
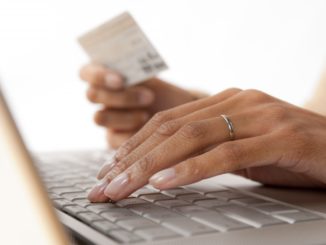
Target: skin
pixel 126 109
pixel 276 143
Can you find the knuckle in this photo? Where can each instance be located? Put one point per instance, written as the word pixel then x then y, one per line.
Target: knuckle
pixel 194 169
pixel 125 148
pixel 99 117
pixel 230 153
pixel 227 93
pixel 97 75
pixel 92 94
pixel 118 169
pixel 193 130
pixel 159 118
pixel 121 166
pixel 168 128
pixel 146 165
pixel 256 96
pixel 232 90
pixel 277 112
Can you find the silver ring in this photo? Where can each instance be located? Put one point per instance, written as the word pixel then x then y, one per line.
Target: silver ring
pixel 230 126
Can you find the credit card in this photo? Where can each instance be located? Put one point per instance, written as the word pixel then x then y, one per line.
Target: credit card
pixel 121 45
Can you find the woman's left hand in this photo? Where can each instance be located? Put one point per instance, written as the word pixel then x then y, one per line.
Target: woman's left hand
pixel 275 143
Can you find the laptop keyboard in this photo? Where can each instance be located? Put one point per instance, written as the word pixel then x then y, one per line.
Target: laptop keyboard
pixel 149 214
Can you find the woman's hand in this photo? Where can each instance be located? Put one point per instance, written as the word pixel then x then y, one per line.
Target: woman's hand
pixel 127 109
pixel 275 143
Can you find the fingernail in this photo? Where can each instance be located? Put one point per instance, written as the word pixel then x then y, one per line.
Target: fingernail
pixel 97 193
pixel 117 185
pixel 107 166
pixel 162 176
pixel 113 81
pixel 146 97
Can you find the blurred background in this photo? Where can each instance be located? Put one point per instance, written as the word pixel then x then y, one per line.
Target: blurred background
pixel 276 46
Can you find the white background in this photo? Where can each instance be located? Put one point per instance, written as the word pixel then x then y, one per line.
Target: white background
pixel 275 46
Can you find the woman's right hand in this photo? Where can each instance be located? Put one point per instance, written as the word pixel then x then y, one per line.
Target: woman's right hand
pixel 126 109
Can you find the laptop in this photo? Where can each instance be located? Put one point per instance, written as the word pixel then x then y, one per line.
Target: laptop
pixel 44 202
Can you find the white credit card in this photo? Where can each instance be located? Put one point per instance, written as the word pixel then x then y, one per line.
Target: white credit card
pixel 122 46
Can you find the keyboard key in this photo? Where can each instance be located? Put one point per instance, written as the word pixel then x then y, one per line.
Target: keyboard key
pixel 250 201
pixel 85 181
pixel 156 233
pixel 248 216
pixel 74 209
pixel 158 216
pixel 54 184
pixel 104 226
pixel 85 186
pixel 297 216
pixel 83 202
pixel 218 221
pixel 130 201
pixel 63 190
pixel 155 197
pixel 176 192
pixel 119 214
pixel 134 224
pixel 62 203
pixel 186 226
pixel 145 208
pixel 89 217
pixel 171 203
pixel 206 189
pixel 226 195
pixel 74 195
pixel 143 191
pixel 210 203
pixel 124 236
pixel 192 197
pixel 101 207
pixel 54 196
pixel 275 208
pixel 190 210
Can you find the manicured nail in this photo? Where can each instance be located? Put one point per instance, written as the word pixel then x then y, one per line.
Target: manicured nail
pixel 146 97
pixel 106 168
pixel 113 81
pixel 162 177
pixel 117 185
pixel 97 193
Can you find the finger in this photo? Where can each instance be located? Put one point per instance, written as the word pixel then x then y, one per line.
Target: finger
pixel 97 193
pixel 116 138
pixel 191 138
pixel 100 76
pixel 227 157
pixel 169 128
pixel 162 117
pixel 132 97
pixel 161 134
pixel 122 120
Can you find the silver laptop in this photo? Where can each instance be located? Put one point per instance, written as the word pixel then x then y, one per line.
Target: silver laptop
pixel 44 202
